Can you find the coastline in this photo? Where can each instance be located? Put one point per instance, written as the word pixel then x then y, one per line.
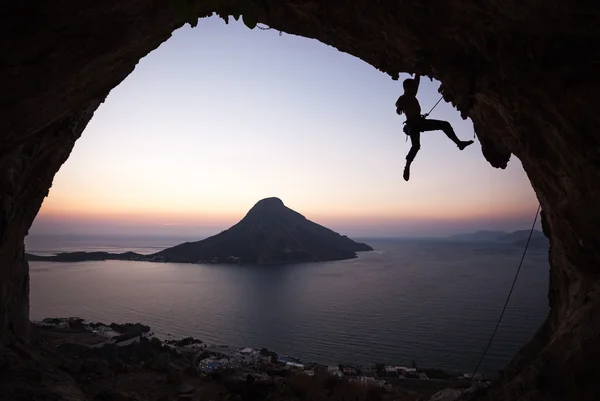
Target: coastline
pixel 75 257
pixel 210 358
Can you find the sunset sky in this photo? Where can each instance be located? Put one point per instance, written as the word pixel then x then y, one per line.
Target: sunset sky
pixel 221 116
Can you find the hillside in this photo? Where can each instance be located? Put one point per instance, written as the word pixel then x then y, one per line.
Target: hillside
pixel 269 233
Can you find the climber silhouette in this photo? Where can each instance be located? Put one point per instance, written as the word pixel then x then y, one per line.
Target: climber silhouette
pixel 416 123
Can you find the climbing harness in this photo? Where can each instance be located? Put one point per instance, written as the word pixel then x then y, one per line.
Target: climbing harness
pixel 423 116
pixel 512 287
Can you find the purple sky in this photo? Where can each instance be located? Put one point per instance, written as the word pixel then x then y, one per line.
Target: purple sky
pixel 221 116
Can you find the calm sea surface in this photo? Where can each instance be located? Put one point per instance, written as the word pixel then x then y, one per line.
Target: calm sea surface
pixel 433 302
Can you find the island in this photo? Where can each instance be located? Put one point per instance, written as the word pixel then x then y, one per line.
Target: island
pixel 270 233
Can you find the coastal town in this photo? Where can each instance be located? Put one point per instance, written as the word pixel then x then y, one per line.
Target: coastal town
pixel 210 359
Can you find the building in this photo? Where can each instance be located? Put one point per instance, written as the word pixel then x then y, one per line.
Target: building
pixel 284 359
pixel 334 370
pixel 391 371
pixel 294 365
pixel 209 366
pixel 248 356
pixel 477 376
pixel 349 371
pixel 105 331
pixel 265 359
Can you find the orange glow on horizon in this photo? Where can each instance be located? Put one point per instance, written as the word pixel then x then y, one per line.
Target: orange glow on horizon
pixel 227 218
pixel 223 208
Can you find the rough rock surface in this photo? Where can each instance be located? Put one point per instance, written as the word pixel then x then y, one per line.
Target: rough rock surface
pixel 526 73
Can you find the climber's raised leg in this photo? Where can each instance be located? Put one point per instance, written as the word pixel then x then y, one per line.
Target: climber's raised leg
pixel 435 125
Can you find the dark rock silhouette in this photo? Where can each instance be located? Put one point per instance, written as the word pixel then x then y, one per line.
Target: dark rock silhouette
pixel 525 73
pixel 269 233
pixel 85 256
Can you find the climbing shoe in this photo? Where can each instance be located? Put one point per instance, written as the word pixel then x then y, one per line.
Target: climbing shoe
pixel 464 144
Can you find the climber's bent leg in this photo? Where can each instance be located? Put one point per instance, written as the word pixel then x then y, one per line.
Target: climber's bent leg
pixel 435 125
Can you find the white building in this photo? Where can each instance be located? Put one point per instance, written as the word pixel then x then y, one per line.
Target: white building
pixel 390 370
pixel 248 356
pixel 294 365
pixel 105 331
pixel 334 370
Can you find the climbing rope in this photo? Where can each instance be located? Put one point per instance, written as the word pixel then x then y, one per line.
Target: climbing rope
pixel 434 106
pixel 512 287
pixel 439 100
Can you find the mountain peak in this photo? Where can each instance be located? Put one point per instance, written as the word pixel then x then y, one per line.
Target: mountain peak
pixel 270 202
pixel 269 233
pixel 267 205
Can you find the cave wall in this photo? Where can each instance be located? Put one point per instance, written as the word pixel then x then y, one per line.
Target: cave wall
pixel 524 72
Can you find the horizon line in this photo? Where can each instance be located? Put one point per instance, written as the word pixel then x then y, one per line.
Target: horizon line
pixel 166 235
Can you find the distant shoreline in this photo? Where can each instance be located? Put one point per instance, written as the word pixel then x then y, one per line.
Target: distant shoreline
pixel 74 257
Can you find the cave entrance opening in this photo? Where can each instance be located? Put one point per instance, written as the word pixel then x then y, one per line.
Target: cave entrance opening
pixel 254 123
